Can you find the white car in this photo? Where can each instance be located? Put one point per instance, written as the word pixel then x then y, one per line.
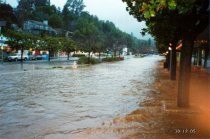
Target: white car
pixel 17 56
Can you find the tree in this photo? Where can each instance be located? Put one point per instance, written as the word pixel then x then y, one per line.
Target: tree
pixel 55 21
pixel 41 2
pixel 190 17
pixel 69 19
pixel 51 44
pixel 7 14
pixel 100 45
pixel 35 10
pixel 68 46
pixel 20 41
pixel 75 6
pixel 166 33
pixel 24 10
pixel 87 33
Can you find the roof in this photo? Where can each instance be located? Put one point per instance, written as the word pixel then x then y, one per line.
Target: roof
pixel 37 22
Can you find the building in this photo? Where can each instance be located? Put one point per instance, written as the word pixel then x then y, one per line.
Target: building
pixel 37 28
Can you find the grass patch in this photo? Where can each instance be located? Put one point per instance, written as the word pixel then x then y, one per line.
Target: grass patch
pixel 86 60
pixel 112 59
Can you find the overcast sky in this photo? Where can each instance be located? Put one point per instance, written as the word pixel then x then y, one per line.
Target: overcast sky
pixel 112 10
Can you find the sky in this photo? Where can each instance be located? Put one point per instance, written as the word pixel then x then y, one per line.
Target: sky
pixel 112 10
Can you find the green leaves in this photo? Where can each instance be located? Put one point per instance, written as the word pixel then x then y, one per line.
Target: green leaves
pixel 147 14
pixel 7 14
pixel 148 10
pixel 185 6
pixel 75 6
pixel 152 13
pixel 67 44
pixel 172 4
pixel 18 39
pixel 55 21
pixel 162 3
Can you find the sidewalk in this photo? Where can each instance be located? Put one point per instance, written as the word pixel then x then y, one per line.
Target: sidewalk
pixel 160 118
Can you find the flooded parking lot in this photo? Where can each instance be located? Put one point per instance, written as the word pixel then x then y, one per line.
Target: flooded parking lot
pixel 37 100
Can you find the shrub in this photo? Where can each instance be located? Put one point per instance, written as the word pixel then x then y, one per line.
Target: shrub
pixel 111 59
pixel 86 60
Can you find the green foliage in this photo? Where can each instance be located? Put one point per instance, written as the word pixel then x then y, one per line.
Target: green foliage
pixel 87 32
pixel 6 13
pixel 69 18
pixel 20 40
pixel 24 10
pixel 75 6
pixel 169 20
pixel 51 43
pixel 35 10
pixel 87 60
pixel 55 21
pixel 67 45
pixel 172 4
pixel 47 9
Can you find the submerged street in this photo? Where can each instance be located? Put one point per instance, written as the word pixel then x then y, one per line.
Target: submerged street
pixel 88 69
pixel 39 100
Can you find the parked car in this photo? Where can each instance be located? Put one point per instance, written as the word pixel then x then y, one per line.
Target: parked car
pixel 38 57
pixel 32 57
pixel 17 56
pixel 35 57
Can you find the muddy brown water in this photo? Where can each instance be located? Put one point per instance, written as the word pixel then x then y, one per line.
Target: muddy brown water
pixel 50 101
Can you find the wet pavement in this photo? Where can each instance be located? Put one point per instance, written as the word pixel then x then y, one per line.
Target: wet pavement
pixel 59 100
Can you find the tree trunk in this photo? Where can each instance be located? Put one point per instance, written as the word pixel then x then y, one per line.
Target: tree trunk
pixel 99 55
pixel 173 64
pixel 49 56
pixel 68 55
pixel 21 55
pixel 195 57
pixel 169 60
pixel 199 57
pixel 115 53
pixel 185 72
pixel 89 57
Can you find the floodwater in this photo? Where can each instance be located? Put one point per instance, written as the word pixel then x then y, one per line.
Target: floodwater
pixel 38 101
